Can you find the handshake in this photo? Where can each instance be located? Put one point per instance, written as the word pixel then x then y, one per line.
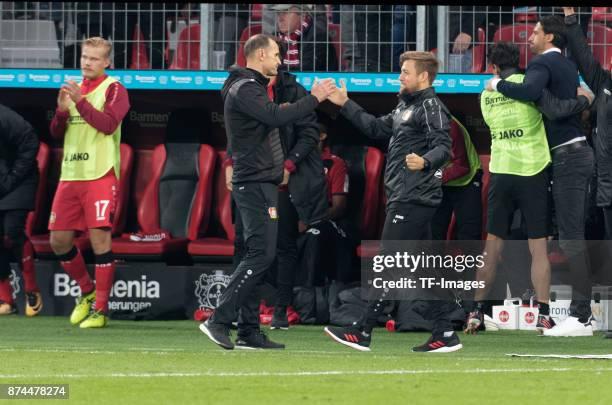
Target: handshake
pixel 326 90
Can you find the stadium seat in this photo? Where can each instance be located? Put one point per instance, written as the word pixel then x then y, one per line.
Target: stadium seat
pixel 365 167
pixel 517 33
pixel 187 55
pixel 247 33
pixel 599 36
pixel 256 10
pixel 479 51
pixel 38 232
pixel 29 44
pixel 176 200
pixel 601 15
pixel 526 17
pixel 219 242
pixel 140 60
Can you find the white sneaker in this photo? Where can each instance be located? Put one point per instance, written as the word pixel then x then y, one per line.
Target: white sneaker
pixel 571 326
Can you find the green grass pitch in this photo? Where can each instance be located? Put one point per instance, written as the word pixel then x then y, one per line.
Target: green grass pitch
pixel 172 362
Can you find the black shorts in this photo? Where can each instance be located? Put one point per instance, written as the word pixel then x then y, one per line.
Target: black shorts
pixel 530 194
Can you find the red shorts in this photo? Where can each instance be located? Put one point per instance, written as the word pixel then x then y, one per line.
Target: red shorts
pixel 81 205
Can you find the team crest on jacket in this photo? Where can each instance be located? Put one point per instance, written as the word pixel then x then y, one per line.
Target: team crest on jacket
pixel 406 115
pixel 273 213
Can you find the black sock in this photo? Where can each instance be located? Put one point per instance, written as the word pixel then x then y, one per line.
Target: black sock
pixel 544 308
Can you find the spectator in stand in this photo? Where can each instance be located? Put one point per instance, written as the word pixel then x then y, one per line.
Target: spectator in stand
pixel 230 20
pixel 306 39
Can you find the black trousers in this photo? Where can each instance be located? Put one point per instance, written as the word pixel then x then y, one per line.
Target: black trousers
pixel 12 224
pixel 571 174
pixel 466 203
pixel 287 253
pixel 409 222
pixel 608 221
pixel 257 204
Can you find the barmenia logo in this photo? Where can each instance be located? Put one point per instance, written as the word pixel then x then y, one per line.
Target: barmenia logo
pixel 143 288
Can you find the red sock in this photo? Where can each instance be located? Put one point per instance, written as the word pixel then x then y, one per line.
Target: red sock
pixel 6 292
pixel 27 267
pixel 77 270
pixel 105 275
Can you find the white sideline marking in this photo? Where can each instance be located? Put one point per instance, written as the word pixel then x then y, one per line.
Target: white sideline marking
pixel 308 373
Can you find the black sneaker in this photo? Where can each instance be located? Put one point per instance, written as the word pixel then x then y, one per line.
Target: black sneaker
pixel 474 323
pixel 440 344
pixel 218 334
pixel 351 336
pixel 279 319
pixel 257 340
pixel 544 322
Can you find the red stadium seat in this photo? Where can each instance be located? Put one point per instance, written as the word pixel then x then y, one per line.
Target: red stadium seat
pixel 365 167
pixel 526 17
pixel 176 200
pixel 247 33
pixel 478 52
pixel 140 60
pixel 222 243
pixel 187 55
pixel 601 15
pixel 517 33
pixel 599 37
pixel 37 231
pixel 256 10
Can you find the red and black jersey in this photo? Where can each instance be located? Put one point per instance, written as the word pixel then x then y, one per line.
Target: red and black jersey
pixel 336 174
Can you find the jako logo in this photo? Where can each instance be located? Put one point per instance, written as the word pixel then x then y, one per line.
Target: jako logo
pixel 142 288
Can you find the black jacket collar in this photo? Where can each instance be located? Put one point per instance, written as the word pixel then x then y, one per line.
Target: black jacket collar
pixel 418 95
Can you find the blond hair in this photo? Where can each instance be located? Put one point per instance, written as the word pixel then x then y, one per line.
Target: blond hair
pixel 96 42
pixel 423 62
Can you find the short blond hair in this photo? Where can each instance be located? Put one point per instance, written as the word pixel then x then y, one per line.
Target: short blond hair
pixel 96 42
pixel 423 62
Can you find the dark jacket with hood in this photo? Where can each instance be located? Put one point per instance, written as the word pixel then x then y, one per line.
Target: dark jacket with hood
pixel 300 140
pixel 419 124
pixel 252 122
pixel 600 81
pixel 18 166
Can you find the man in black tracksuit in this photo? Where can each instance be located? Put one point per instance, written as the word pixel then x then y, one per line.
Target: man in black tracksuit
pixel 572 163
pixel 303 200
pixel 600 81
pixel 419 145
pixel 252 123
pixel 18 183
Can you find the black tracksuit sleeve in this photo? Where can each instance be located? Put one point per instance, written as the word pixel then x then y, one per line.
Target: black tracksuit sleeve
pixel 307 131
pixel 21 135
pixel 594 75
pixel 436 125
pixel 554 108
pixel 536 79
pixel 252 101
pixel 372 127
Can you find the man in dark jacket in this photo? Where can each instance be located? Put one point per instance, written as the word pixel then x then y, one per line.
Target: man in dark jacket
pixel 572 162
pixel 302 201
pixel 252 122
pixel 18 182
pixel 419 145
pixel 600 81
